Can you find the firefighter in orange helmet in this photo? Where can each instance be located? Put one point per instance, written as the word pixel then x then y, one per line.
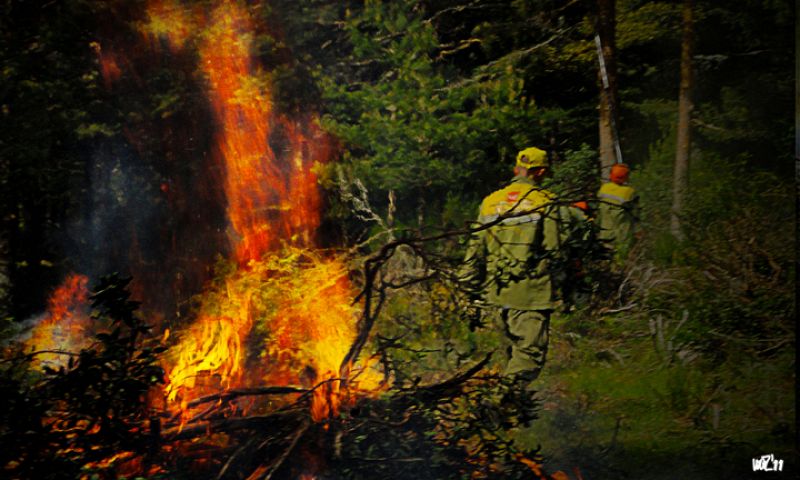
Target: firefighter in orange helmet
pixel 617 211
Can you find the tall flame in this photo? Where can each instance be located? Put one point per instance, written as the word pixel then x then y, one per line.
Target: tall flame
pixel 271 197
pixel 302 300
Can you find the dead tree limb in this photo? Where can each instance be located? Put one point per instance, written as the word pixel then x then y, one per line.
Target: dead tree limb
pixel 242 392
pixel 295 438
pixel 235 455
pixel 431 393
pixel 227 425
pixel 373 265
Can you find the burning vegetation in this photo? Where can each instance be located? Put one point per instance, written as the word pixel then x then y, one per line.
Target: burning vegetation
pixel 66 327
pixel 267 378
pixel 286 320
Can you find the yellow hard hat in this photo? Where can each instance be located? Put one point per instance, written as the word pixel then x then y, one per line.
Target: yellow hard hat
pixel 532 157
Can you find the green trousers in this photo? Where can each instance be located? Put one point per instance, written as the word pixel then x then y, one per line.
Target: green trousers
pixel 527 335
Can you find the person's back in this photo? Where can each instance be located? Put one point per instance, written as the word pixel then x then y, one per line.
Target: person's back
pixel 615 214
pixel 507 264
pixel 516 274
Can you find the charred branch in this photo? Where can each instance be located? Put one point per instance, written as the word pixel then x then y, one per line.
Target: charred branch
pixel 242 392
pixel 265 423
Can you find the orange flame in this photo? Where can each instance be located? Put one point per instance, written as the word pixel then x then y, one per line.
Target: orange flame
pixel 213 347
pixel 312 331
pixel 300 304
pixel 63 329
pixel 169 19
pixel 110 461
pixel 298 301
pixel 108 64
pixel 313 328
pixel 271 197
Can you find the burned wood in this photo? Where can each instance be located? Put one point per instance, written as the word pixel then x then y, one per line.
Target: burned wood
pixel 282 458
pixel 197 417
pixel 154 436
pixel 276 449
pixel 296 420
pixel 385 459
pixel 311 390
pixel 233 457
pixel 204 452
pixel 242 392
pixel 228 425
pixel 229 395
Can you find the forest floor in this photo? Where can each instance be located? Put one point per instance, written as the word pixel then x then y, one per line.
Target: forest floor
pixel 613 407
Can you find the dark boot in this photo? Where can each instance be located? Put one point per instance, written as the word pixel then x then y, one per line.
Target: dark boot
pixel 519 400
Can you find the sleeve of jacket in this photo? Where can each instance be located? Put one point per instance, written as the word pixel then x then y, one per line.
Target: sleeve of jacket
pixel 472 272
pixel 555 231
pixel 635 209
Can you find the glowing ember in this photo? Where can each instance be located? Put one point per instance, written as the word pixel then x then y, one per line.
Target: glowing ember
pixel 64 327
pixel 110 461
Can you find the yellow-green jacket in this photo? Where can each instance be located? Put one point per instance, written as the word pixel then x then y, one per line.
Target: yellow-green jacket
pixel 507 261
pixel 616 214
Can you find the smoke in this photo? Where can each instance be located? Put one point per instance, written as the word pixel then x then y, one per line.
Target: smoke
pixel 149 218
pixel 117 216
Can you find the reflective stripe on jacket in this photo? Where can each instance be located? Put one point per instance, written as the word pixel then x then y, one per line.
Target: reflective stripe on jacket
pixel 616 214
pixel 616 194
pixel 508 261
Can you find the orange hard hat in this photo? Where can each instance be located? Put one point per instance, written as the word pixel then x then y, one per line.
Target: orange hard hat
pixel 581 205
pixel 619 173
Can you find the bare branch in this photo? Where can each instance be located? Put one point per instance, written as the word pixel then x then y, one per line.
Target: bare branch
pixel 227 425
pixel 241 392
pixel 295 438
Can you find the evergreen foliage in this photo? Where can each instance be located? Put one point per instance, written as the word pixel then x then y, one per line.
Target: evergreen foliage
pixel 63 423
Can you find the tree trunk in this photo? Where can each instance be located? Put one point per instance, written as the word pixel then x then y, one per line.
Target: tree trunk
pixel 681 177
pixel 606 28
pixel 5 278
pixel 797 122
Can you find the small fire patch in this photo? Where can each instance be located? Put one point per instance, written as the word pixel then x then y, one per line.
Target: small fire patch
pixel 512 196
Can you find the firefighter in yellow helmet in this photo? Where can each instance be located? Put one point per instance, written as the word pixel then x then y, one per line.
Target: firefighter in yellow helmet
pixel 617 211
pixel 507 263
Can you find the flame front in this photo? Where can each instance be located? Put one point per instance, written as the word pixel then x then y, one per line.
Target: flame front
pixel 280 312
pixel 63 329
